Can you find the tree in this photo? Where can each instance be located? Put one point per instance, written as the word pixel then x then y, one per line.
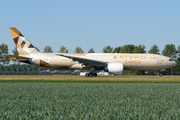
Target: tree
pixel 179 50
pixel 117 50
pixel 48 49
pixel 78 50
pixel 139 49
pixel 127 48
pixel 91 50
pixel 63 49
pixel 108 49
pixel 4 59
pixel 170 51
pixel 15 52
pixel 154 50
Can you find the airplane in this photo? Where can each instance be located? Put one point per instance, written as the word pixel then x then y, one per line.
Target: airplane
pixel 113 63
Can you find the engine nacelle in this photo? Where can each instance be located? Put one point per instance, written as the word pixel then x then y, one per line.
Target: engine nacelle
pixel 115 68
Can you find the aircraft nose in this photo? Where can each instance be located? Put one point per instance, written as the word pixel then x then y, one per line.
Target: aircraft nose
pixel 175 63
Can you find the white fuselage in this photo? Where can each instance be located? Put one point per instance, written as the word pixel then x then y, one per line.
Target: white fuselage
pixel 130 61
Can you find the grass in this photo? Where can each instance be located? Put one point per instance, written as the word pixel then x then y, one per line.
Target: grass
pixel 76 97
pixel 90 79
pixel 73 100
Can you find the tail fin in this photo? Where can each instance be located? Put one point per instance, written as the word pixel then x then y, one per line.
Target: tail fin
pixel 24 47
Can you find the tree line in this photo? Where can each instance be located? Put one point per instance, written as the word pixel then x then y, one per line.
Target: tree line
pixel 169 51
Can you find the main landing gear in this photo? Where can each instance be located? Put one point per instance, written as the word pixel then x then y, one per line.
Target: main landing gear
pixel 91 74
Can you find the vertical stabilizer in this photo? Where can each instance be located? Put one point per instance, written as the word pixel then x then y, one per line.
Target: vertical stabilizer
pixel 24 47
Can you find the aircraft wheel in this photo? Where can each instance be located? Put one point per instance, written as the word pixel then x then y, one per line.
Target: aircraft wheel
pixel 91 75
pixel 87 75
pixel 95 74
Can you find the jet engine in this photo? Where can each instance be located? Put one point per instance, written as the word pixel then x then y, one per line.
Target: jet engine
pixel 114 68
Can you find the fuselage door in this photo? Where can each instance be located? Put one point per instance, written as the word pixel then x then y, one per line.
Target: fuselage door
pixel 159 60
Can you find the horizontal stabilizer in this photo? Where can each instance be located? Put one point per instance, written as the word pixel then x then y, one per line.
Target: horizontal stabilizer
pixel 17 58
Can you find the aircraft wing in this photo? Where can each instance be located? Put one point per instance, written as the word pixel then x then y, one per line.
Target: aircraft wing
pixel 84 61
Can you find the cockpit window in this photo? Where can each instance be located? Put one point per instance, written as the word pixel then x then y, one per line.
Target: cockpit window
pixel 171 59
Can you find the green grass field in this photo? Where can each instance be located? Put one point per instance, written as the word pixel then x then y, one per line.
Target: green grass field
pixel 62 97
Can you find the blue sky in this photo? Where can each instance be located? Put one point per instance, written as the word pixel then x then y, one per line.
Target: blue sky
pixel 91 23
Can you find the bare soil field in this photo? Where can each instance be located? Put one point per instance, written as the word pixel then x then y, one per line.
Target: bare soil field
pixel 120 78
